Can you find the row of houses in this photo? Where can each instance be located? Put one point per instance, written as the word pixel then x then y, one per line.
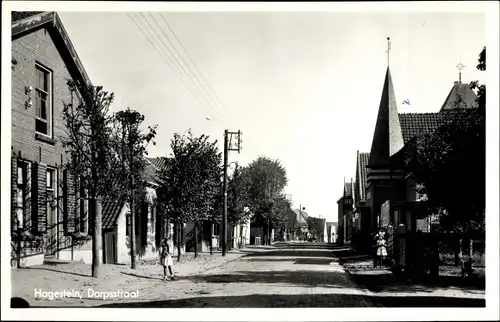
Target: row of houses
pixel 383 193
pixel 49 217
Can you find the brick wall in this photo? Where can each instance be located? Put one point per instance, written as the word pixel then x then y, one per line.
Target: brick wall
pixel 38 47
pixel 27 50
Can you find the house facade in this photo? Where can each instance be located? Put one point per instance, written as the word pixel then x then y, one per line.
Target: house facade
pixel 45 202
pixel 345 214
pixel 391 192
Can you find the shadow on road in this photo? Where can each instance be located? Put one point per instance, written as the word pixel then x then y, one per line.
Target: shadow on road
pixel 57 271
pixel 292 253
pixel 322 300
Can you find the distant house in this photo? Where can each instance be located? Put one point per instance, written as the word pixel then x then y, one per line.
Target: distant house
pixel 150 226
pixel 297 224
pixel 345 214
pixel 317 228
pixel 332 232
pixel 49 217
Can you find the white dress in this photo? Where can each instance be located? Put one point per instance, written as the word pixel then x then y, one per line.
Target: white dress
pixel 381 248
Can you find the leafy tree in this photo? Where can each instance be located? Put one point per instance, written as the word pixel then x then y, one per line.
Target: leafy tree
pixel 480 88
pixel 266 180
pixel 87 142
pixel 192 180
pixel 129 144
pixel 237 199
pixel 452 160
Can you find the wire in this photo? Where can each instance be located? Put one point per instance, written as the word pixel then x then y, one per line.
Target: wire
pixel 164 56
pixel 188 67
pixel 194 64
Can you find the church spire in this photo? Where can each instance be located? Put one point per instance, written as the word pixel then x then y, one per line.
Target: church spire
pixel 387 137
pixel 388 51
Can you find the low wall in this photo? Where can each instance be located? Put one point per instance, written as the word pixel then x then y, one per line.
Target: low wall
pixel 81 252
pixel 26 253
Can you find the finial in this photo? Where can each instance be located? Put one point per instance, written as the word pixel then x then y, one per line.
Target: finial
pixel 460 66
pixel 388 49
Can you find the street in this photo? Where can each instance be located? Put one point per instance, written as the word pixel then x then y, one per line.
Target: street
pixel 287 275
pixel 291 275
pixel 282 275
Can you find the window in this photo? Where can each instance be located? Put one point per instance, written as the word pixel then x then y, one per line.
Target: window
pixel 22 187
pixel 43 101
pixel 51 198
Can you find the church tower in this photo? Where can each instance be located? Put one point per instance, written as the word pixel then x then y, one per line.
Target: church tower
pixel 384 180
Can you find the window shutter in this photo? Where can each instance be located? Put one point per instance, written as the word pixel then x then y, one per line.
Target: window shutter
pixel 13 189
pixel 33 198
pixel 69 201
pixel 42 198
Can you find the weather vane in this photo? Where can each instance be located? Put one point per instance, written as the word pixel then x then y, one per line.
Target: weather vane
pixel 460 67
pixel 388 49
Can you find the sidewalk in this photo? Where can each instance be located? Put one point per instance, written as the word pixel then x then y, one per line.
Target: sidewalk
pixel 146 279
pixel 387 290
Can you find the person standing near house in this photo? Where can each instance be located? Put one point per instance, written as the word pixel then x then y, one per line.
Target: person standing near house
pixel 166 258
pixel 381 248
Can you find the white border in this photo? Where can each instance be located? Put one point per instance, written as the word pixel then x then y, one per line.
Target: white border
pixel 491 9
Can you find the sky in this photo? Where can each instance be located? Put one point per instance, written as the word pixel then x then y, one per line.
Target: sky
pixel 303 87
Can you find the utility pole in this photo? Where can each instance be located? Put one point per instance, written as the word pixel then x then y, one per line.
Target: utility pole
pixel 228 140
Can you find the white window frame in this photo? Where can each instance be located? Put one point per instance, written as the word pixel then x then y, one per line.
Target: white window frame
pixel 48 101
pixel 23 186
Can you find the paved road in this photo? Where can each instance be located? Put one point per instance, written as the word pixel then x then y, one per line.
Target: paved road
pixel 291 275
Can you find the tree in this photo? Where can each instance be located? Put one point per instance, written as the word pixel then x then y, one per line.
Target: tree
pixel 480 88
pixel 87 142
pixel 192 180
pixel 237 199
pixel 451 161
pixel 129 143
pixel 266 180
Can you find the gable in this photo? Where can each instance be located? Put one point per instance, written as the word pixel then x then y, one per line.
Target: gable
pixel 29 22
pixel 460 96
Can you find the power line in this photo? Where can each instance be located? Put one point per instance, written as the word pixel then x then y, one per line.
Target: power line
pixel 192 61
pixel 177 61
pixel 164 56
pixel 203 90
pixel 182 71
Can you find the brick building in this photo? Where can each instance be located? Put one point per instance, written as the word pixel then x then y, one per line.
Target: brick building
pixel 46 208
pixel 390 191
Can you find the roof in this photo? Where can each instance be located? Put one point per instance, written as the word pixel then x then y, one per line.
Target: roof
pixel 300 217
pixel 413 124
pixel 347 189
pixel 26 22
pixel 111 207
pixel 20 15
pixel 159 162
pixel 387 137
pixel 361 173
pixel 111 210
pixel 460 96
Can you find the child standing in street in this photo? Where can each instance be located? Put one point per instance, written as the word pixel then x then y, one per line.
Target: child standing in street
pixel 166 259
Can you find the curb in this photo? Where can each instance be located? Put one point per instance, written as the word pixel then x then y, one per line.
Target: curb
pixel 367 301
